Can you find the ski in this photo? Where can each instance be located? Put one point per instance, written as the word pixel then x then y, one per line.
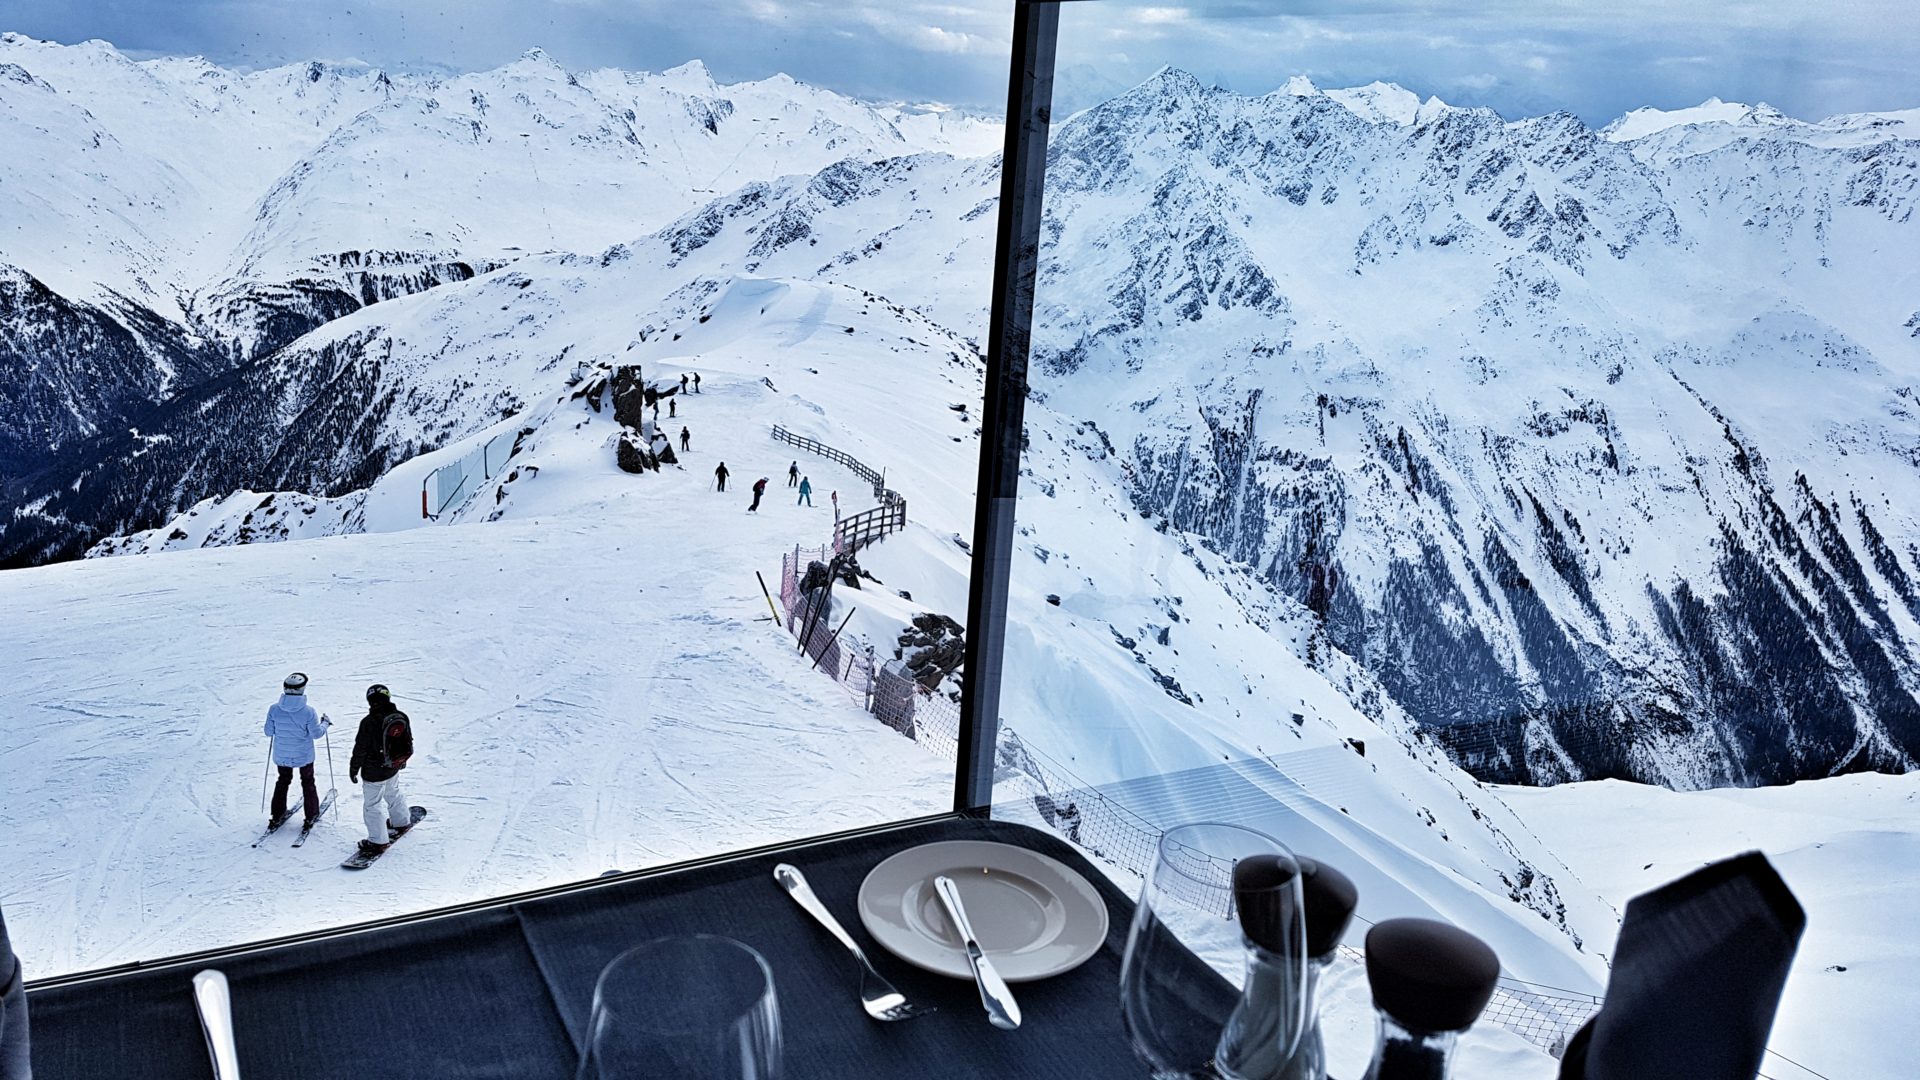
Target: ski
pixel 273 824
pixel 360 860
pixel 326 803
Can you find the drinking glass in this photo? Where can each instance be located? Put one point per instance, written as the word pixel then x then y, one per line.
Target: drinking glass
pixel 1175 1019
pixel 694 1008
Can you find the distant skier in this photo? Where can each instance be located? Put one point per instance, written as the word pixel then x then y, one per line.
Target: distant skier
pixel 719 474
pixel 686 439
pixel 683 382
pixel 673 408
pixel 759 489
pixel 293 726
pixel 835 496
pixel 696 382
pixel 793 474
pixel 379 753
pixel 806 492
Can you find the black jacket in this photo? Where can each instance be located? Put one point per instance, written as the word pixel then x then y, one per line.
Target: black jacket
pixel 366 745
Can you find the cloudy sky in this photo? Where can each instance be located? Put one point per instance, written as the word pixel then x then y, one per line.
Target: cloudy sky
pixel 1597 58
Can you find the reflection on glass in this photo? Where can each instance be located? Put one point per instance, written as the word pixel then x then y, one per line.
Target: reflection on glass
pixel 700 1007
pixel 1429 400
pixel 1194 898
pixel 455 372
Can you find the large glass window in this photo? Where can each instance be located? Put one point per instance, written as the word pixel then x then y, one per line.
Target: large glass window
pixel 1423 401
pixel 604 383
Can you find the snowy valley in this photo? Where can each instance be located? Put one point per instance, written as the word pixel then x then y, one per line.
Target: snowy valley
pixel 1378 451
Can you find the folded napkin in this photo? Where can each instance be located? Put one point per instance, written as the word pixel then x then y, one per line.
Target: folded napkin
pixel 1697 975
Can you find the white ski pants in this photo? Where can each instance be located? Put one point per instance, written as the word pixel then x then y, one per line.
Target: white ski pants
pixel 373 793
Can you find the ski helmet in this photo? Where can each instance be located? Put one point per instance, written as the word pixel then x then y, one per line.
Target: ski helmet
pixel 377 690
pixel 295 683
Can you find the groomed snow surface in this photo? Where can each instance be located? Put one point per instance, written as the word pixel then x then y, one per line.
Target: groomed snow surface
pixel 589 684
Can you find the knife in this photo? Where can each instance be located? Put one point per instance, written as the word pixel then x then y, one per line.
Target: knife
pixel 1002 1010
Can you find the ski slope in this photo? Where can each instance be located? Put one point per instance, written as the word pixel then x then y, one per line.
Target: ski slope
pixel 588 683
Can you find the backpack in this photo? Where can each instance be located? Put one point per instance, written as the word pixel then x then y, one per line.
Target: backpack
pixel 396 741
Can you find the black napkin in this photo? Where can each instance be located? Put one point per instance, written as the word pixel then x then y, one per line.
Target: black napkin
pixel 1697 975
pixel 14 1064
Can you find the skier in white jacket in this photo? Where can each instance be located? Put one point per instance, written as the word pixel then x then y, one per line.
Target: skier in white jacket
pixel 293 726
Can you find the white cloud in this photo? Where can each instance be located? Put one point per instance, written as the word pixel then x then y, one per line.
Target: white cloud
pixel 1162 14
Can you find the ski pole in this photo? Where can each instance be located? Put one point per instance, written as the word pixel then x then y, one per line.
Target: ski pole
pixel 332 781
pixel 264 771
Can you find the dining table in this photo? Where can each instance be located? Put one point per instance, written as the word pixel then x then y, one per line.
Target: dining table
pixel 504 990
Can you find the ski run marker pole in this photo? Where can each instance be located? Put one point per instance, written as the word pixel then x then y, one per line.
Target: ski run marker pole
pixel 831 640
pixel 775 612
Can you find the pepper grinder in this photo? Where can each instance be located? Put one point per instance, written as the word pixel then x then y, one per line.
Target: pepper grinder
pixel 1330 899
pixel 1430 981
pixel 1264 1030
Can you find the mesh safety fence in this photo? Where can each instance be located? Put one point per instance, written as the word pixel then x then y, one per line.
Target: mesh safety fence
pixel 1030 785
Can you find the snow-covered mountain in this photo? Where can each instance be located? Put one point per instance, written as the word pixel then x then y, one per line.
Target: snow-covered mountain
pixel 1589 448
pixel 1369 438
pixel 1601 453
pixel 166 221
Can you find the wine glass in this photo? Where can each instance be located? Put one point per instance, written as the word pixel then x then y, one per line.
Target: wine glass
pixel 696 1007
pixel 1180 1022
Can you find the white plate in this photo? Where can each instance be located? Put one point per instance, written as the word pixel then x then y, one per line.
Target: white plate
pixel 1035 917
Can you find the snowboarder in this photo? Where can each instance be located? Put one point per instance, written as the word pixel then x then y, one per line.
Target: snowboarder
pixel 696 382
pixel 683 382
pixel 293 726
pixel 759 489
pixel 719 474
pixel 379 761
pixel 835 496
pixel 686 439
pixel 806 492
pixel 793 474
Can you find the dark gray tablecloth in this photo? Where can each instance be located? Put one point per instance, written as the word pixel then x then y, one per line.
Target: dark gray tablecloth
pixel 506 992
pixel 13 1012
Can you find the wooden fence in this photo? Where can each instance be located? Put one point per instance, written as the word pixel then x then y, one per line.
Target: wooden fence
pixel 858 530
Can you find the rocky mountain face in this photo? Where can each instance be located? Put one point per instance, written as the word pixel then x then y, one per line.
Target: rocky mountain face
pixel 1599 454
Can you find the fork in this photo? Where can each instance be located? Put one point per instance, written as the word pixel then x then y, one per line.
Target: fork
pixel 877 995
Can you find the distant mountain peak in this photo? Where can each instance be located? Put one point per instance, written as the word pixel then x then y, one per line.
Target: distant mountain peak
pixel 1376 103
pixel 1381 102
pixel 1170 78
pixel 1640 123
